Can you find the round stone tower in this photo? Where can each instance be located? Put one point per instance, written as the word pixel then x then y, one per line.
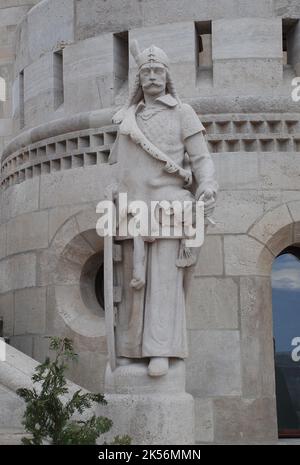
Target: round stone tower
pixel 69 70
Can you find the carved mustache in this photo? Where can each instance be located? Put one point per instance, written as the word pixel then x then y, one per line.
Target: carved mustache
pixel 152 84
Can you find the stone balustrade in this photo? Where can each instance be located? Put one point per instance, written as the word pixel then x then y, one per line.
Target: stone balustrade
pixel 72 150
pixel 82 148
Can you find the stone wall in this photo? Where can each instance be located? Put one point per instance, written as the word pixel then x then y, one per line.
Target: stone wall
pixel 246 52
pixel 55 171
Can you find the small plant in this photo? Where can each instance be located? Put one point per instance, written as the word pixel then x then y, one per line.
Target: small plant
pixel 48 418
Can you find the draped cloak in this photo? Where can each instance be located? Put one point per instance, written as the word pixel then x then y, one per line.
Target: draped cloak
pixel 151 322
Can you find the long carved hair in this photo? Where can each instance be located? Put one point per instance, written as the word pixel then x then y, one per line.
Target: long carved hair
pixel 136 95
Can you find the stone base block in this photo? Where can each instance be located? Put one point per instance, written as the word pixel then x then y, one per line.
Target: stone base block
pixel 152 418
pixel 149 410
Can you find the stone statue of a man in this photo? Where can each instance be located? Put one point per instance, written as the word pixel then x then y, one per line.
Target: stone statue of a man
pixel 156 132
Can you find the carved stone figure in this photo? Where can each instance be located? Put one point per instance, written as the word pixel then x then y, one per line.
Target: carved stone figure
pixel 160 149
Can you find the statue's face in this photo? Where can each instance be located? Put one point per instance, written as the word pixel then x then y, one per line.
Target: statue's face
pixel 153 77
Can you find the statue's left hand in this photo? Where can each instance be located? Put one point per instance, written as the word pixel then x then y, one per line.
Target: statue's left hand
pixel 208 196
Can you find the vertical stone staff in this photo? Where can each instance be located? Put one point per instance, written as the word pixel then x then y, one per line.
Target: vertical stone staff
pixel 108 294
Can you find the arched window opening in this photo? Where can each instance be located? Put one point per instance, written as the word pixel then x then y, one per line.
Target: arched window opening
pixel 286 328
pixel 92 284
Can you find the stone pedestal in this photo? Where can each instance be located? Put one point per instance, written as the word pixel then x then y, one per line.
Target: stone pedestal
pixel 150 410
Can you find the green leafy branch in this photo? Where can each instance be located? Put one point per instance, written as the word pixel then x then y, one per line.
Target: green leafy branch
pixel 48 418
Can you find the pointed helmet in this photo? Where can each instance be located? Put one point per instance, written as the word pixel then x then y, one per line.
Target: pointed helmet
pixel 152 54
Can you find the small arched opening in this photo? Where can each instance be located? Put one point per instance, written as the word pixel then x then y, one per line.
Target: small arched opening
pixel 78 276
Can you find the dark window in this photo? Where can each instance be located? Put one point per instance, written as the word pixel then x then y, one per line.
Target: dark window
pixel 203 44
pixel 286 328
pixel 121 61
pixel 288 40
pixel 21 100
pixel 99 286
pixel 58 78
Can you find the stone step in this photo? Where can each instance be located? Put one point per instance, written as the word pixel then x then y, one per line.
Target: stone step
pixel 10 437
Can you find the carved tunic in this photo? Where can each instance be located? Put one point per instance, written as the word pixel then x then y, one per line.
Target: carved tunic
pixel 167 126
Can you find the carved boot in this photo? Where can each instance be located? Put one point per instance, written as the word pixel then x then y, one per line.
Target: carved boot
pixel 158 366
